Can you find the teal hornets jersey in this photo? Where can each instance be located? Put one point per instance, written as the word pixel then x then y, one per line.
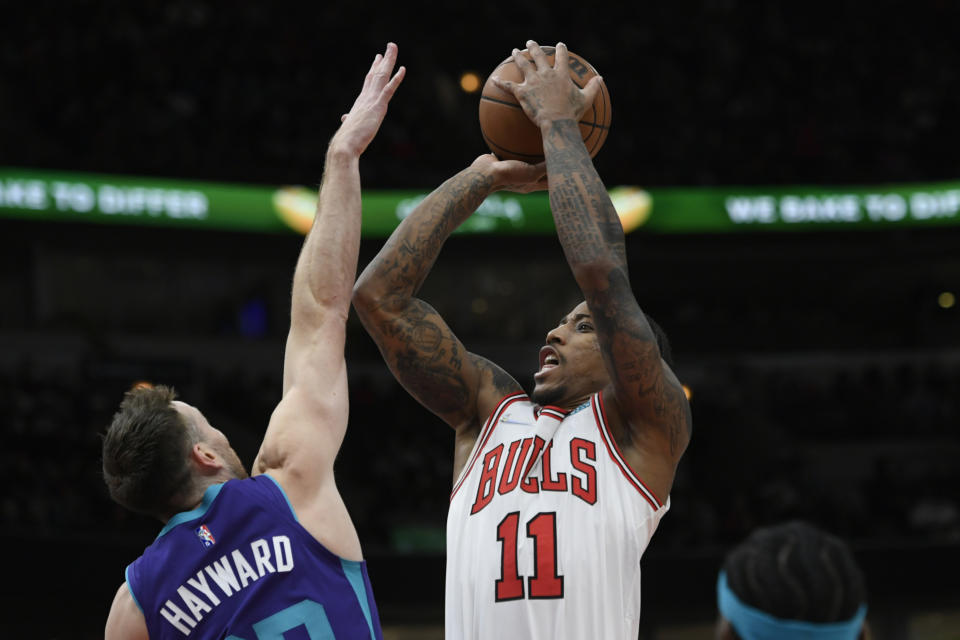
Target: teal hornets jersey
pixel 240 567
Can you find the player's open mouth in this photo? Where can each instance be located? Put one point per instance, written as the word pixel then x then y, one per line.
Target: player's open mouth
pixel 549 359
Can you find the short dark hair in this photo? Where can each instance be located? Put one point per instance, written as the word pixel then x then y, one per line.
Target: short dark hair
pixel 795 571
pixel 145 452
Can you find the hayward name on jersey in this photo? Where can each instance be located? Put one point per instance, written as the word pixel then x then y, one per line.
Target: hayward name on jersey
pixel 230 573
pixel 241 567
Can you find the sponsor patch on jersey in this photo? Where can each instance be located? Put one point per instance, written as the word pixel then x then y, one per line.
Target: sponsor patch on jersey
pixel 580 408
pixel 206 538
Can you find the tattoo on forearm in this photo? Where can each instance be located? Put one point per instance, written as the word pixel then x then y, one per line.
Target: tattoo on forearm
pixel 587 222
pixel 627 342
pixel 407 258
pixel 421 350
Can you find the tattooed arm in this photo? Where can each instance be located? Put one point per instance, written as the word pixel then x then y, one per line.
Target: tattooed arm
pixel 645 392
pixel 418 346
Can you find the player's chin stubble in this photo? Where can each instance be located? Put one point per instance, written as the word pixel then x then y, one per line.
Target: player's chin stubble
pixel 543 397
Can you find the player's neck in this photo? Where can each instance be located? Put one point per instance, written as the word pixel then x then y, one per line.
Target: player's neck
pixel 195 498
pixel 565 404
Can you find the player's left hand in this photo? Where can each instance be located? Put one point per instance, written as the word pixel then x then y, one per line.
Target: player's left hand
pixel 547 94
pixel 513 175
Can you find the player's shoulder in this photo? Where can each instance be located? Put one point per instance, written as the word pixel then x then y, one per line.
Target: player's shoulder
pixel 265 489
pixel 511 403
pixel 234 498
pixel 494 385
pixel 495 382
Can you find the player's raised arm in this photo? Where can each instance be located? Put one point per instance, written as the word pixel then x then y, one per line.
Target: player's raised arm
pixel 418 346
pixel 646 392
pixel 308 425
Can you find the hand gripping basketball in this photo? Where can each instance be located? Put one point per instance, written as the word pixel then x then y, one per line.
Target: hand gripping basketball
pixel 507 129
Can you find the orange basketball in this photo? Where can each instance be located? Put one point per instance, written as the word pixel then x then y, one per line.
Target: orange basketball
pixel 511 135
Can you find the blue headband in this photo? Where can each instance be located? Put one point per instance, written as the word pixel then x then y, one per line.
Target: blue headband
pixel 753 624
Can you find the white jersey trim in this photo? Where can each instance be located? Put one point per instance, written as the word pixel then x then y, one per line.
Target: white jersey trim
pixel 614 451
pixel 484 435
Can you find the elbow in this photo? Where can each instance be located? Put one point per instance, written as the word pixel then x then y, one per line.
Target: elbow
pixel 378 308
pixel 364 296
pixel 368 299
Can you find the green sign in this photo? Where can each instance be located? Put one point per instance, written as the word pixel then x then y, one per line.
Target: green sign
pixel 52 196
pixel 806 208
pixel 108 199
pixel 76 197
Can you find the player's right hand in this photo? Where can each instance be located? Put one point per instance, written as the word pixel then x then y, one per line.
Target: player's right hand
pixel 513 175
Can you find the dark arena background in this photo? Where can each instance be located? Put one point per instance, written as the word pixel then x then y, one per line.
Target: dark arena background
pixel 823 359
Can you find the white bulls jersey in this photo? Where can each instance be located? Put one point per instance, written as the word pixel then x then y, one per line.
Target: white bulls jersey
pixel 546 528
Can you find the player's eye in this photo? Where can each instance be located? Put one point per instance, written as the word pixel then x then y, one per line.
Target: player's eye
pixel 584 326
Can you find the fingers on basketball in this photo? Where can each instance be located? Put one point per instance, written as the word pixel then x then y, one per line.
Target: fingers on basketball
pixel 507 130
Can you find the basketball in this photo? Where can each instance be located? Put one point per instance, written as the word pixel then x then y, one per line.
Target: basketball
pixel 511 135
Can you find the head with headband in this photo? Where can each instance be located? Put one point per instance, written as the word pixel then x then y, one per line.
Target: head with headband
pixel 791 582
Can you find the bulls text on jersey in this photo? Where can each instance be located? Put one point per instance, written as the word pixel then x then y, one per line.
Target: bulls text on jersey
pixel 508 468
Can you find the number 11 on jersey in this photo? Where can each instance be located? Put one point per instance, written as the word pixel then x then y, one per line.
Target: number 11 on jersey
pixel 544 583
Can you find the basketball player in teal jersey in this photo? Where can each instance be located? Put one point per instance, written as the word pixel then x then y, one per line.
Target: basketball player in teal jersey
pixel 245 558
pixel 556 494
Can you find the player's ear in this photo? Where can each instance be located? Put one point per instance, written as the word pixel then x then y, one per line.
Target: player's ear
pixel 205 458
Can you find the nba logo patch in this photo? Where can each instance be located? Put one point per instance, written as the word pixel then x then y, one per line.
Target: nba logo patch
pixel 206 538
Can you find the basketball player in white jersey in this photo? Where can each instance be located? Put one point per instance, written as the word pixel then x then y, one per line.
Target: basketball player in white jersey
pixel 556 494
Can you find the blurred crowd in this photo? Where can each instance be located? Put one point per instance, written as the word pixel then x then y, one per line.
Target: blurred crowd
pixel 829 397
pixel 866 449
